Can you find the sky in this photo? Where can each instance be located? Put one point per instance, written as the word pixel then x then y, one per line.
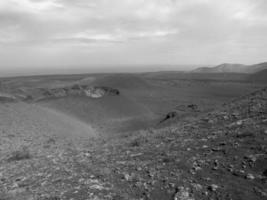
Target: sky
pixel 100 35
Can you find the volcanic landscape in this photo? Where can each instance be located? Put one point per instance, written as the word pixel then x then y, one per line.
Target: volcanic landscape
pixel 157 135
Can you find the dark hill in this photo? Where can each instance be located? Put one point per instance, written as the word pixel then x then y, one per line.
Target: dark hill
pixel 258 67
pixel 259 77
pixel 232 68
pixel 223 68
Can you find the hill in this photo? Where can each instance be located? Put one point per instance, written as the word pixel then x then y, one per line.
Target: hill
pixel 216 155
pixel 223 68
pixel 258 67
pixel 259 77
pixel 232 68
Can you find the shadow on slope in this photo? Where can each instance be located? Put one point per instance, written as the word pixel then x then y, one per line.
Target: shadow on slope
pixel 107 114
pixel 259 77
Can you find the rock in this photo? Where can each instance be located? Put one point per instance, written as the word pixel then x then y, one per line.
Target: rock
pixel 211 121
pixel 213 187
pixel 97 92
pixel 250 176
pixel 251 158
pixel 136 155
pixel 225 117
pixel 196 166
pixel 94 92
pixel 216 163
pixel 193 107
pixel 75 90
pixel 197 186
pixel 244 134
pixel 239 122
pixel 128 177
pixel 169 115
pixel 260 192
pixel 58 92
pixel 183 194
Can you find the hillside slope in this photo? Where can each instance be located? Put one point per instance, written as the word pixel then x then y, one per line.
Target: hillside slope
pixel 259 77
pixel 109 114
pixel 24 123
pixel 218 155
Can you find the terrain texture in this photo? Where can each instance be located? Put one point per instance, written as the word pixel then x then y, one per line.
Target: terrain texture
pixel 150 136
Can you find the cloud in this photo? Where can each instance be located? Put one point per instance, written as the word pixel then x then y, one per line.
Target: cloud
pixel 173 31
pixel 121 35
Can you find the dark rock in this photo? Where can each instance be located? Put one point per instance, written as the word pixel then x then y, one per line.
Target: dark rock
pixel 170 115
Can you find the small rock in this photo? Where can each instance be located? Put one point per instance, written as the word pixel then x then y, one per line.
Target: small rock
pixel 250 176
pixel 225 117
pixel 213 187
pixel 239 173
pixel 211 121
pixel 139 168
pixel 251 158
pixel 183 194
pixel 197 168
pixel 127 177
pixel 136 155
pixel 230 168
pixel 260 192
pixel 197 186
pixel 239 122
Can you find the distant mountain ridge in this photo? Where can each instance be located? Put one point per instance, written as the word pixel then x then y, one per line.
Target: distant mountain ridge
pixel 232 68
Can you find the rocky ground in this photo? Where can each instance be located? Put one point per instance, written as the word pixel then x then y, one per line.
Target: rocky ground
pixel 217 155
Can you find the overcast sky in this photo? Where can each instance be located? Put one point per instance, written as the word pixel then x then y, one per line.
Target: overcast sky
pixel 47 34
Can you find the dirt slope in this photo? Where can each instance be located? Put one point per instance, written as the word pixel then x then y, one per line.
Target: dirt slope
pixel 219 155
pixel 259 77
pixel 34 123
pixel 110 114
